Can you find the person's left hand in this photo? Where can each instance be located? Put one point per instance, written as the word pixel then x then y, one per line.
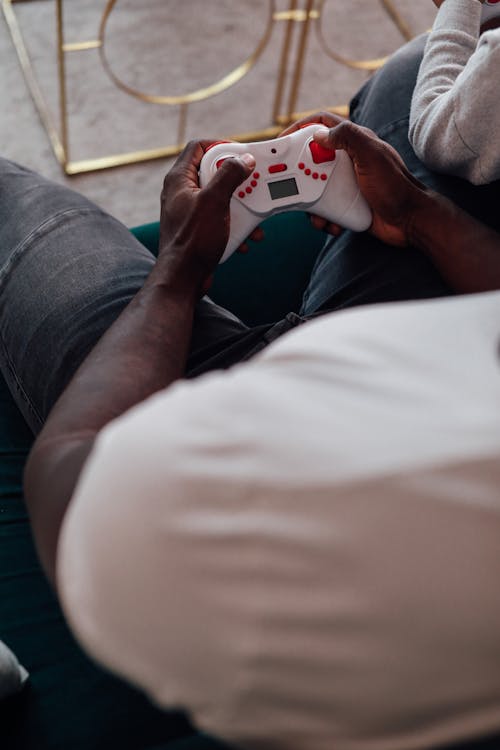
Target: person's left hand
pixel 194 222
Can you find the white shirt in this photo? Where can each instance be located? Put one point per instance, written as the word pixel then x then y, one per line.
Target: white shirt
pixel 304 551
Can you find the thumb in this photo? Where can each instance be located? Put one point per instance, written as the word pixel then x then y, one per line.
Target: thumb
pixel 231 173
pixel 347 137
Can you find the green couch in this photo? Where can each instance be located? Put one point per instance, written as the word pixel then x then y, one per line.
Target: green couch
pixel 70 703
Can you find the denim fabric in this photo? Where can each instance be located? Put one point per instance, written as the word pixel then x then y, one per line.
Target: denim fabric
pixel 67 270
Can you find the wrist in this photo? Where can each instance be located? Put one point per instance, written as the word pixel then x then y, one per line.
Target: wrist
pixel 437 227
pixel 177 275
pixel 424 221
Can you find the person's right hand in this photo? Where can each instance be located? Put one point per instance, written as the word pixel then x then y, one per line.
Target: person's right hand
pixel 393 193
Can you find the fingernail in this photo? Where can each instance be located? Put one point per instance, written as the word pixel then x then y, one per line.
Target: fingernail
pixel 322 135
pixel 248 159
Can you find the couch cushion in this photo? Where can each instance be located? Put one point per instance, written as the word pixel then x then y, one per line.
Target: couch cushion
pixel 268 282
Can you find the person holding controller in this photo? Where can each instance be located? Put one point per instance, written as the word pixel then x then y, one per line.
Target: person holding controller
pixel 293 172
pixel 293 537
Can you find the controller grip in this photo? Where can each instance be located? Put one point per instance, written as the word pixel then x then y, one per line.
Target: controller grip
pixel 242 224
pixel 357 216
pixel 342 202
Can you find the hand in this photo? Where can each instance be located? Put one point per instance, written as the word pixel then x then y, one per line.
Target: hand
pixel 330 121
pixel 393 193
pixel 194 222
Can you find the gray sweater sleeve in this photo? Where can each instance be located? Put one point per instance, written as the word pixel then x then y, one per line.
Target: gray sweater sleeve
pixel 455 111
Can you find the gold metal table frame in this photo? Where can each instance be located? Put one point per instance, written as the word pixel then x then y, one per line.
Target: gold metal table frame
pixel 304 13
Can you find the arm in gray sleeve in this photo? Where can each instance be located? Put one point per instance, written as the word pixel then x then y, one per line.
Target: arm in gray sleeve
pixel 455 103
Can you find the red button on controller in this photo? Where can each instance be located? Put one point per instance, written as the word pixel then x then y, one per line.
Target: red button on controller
pixel 277 168
pixel 214 144
pixel 320 154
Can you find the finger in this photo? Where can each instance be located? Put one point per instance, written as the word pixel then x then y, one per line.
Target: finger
pixel 186 165
pixel 359 143
pixel 334 229
pixel 190 156
pixel 257 234
pixel 323 225
pixel 318 222
pixel 232 172
pixel 367 151
pixel 320 118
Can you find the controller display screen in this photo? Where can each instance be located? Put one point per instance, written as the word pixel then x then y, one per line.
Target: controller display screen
pixel 283 188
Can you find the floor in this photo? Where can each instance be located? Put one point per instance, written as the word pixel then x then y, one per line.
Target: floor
pixel 168 48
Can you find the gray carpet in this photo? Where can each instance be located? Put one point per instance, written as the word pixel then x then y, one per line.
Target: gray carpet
pixel 170 47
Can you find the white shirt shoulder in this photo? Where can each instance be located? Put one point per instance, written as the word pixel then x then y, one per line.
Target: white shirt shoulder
pixel 279 547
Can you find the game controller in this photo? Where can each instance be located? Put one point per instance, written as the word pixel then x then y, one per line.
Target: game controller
pixel 291 173
pixel 491 9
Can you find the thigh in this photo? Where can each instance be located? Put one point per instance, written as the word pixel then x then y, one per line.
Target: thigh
pixel 358 269
pixel 67 270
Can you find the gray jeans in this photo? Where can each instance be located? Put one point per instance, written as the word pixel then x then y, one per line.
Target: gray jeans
pixel 67 270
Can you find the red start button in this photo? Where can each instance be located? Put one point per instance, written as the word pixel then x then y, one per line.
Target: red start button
pixel 277 168
pixel 320 154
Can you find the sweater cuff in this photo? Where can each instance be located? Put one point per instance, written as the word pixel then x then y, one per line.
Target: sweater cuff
pixel 459 15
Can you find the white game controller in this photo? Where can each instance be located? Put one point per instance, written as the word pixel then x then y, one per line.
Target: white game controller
pixel 291 173
pixel 491 9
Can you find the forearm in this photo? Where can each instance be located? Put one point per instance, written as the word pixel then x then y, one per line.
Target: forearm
pixel 465 251
pixel 144 351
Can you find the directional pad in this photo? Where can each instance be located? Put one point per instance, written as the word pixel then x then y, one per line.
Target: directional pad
pixel 320 154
